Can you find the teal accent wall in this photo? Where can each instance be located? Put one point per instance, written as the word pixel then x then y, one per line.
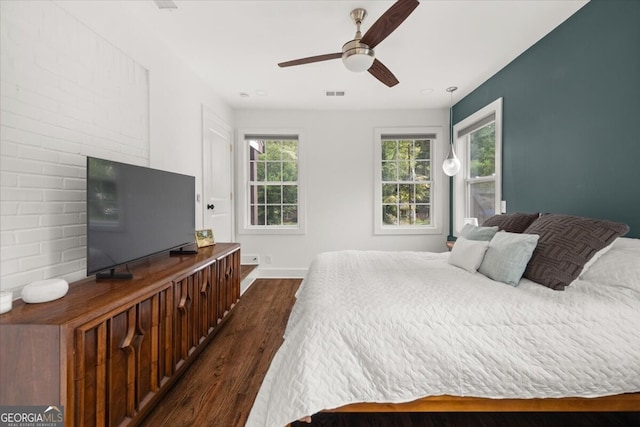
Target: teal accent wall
pixel 571 117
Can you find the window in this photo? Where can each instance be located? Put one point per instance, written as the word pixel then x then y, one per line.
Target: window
pixel 477 187
pixel 272 190
pixel 405 199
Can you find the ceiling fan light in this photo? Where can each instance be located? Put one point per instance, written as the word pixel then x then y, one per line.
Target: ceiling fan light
pixel 357 57
pixel 358 62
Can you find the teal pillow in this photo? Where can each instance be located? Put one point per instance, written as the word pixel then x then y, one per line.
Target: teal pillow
pixel 473 232
pixel 507 256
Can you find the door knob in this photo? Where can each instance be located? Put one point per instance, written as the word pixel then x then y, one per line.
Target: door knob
pixel 210 206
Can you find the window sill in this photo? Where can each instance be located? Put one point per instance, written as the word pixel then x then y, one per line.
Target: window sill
pixel 407 231
pixel 272 231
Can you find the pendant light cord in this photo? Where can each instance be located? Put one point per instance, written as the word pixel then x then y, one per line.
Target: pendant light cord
pixel 451 89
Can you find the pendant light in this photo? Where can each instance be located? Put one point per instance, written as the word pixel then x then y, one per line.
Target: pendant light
pixel 451 164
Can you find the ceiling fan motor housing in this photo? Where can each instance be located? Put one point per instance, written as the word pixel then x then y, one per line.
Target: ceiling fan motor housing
pixel 357 56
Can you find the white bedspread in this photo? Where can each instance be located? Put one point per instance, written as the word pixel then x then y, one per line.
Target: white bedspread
pixel 397 326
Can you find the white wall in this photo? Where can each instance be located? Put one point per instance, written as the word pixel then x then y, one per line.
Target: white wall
pixel 43 43
pixel 71 87
pixel 176 94
pixel 339 173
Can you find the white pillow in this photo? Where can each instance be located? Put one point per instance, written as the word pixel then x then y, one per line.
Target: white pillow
pixel 620 266
pixel 595 257
pixel 507 256
pixel 468 254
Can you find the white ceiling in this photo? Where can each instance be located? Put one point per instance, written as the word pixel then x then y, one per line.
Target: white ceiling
pixel 234 46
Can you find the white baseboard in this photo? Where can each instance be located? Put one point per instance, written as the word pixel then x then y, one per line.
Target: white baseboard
pixel 249 279
pixel 246 283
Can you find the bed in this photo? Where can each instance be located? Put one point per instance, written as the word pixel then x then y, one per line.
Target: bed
pixel 387 331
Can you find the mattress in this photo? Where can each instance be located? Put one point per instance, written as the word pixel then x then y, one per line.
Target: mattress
pixel 371 326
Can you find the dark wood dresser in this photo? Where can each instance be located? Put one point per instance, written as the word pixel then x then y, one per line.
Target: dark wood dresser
pixel 109 349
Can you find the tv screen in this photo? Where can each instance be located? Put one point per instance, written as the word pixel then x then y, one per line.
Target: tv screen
pixel 134 212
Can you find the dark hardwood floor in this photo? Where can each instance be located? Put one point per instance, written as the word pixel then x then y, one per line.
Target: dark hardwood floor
pixel 219 388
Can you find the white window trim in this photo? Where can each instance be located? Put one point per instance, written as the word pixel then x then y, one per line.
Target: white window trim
pixel 437 200
pixel 459 191
pixel 242 205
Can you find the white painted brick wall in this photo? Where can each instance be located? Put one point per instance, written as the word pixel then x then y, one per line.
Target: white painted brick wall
pixel 65 93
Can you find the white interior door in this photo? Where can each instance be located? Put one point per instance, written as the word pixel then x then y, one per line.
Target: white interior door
pixel 217 181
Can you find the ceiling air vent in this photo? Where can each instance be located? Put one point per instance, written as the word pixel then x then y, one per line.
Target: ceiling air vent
pixel 165 4
pixel 334 93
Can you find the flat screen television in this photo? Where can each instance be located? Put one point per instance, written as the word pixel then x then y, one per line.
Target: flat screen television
pixel 134 212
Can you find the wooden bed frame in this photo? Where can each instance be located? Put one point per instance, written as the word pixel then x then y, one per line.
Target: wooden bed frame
pixel 628 402
pixel 616 403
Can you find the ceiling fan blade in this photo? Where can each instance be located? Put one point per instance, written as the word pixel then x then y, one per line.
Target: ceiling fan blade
pixel 382 73
pixel 388 22
pixel 311 59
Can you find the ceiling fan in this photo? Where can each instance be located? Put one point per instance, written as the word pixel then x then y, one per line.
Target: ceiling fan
pixel 357 54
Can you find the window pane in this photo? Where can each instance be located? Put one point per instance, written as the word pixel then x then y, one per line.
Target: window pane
pixel 404 149
pixel 256 194
pixel 406 193
pixel 290 194
pixel 272 149
pixel 482 199
pixel 423 193
pixel 389 193
pixel 389 150
pixel 404 171
pixel 390 214
pixel 253 175
pixel 406 214
pixel 482 151
pixel 423 214
pixel 290 215
pixel 290 151
pixel 260 217
pixel 422 149
pixel 423 170
pixel 274 171
pixel 274 194
pixel 273 215
pixel 260 171
pixel 389 171
pixel 289 171
pixel 253 152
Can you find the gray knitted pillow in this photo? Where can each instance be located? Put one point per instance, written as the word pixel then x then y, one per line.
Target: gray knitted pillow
pixel 565 245
pixel 512 223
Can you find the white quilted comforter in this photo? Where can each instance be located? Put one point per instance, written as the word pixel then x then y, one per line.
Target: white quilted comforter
pixel 397 326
